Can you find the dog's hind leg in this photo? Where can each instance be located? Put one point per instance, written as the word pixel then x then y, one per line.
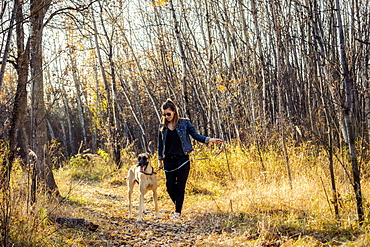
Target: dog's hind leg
pixel 129 203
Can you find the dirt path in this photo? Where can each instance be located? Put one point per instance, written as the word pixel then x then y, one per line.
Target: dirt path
pixel 107 207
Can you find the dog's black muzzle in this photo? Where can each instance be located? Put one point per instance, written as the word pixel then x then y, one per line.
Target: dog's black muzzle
pixel 143 160
pixel 142 163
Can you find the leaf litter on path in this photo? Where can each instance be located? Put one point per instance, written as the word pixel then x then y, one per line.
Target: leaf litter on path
pixel 107 207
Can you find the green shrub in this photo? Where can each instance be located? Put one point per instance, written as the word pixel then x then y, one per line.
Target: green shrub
pixel 94 167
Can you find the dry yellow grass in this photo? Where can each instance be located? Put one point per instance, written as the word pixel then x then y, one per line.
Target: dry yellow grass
pixel 235 197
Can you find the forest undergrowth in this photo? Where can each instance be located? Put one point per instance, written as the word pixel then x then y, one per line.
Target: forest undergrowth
pixel 236 196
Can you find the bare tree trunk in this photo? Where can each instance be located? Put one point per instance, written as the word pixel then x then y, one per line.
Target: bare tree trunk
pixel 322 71
pixel 367 101
pixel 7 45
pixel 210 75
pixel 95 134
pixel 141 73
pixel 65 120
pixel 18 133
pixel 116 123
pixel 78 97
pixel 71 145
pixel 227 40
pixel 184 70
pixel 331 168
pixel 347 115
pixel 111 122
pixel 260 56
pixel 39 140
pixel 17 136
pixel 142 135
pixel 279 78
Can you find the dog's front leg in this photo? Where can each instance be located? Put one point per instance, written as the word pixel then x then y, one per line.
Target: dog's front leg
pixel 155 199
pixel 141 206
pixel 130 189
pixel 130 201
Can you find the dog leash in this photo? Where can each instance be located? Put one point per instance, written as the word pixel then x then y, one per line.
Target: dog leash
pixel 176 168
pixel 187 162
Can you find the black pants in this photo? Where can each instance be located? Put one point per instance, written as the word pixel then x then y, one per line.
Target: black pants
pixel 176 179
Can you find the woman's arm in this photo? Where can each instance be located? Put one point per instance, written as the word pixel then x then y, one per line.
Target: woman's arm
pixel 195 134
pixel 199 137
pixel 160 145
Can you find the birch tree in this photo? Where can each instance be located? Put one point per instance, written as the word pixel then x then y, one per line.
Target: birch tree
pixel 347 111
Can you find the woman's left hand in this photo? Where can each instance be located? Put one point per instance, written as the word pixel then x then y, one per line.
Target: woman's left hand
pixel 215 140
pixel 160 164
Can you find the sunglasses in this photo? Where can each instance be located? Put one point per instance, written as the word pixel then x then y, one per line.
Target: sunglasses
pixel 167 114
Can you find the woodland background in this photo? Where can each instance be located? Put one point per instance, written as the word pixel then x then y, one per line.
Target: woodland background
pixel 80 76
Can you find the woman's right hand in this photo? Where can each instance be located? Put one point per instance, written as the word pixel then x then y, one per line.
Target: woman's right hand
pixel 215 140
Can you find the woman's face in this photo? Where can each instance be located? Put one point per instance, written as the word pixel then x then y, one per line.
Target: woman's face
pixel 168 114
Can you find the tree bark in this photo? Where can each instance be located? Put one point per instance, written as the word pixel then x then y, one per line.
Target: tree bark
pixel 7 44
pixel 18 133
pixel 184 70
pixel 80 106
pixel 279 77
pixel 321 72
pixel 39 142
pixel 347 111
pixel 110 94
pixel 116 123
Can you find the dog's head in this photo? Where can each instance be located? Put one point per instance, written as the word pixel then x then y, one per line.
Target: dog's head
pixel 143 161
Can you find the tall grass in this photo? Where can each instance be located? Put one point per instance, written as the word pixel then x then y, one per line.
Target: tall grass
pixel 242 181
pixel 245 193
pixel 23 224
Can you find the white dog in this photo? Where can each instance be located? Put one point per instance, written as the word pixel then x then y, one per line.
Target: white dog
pixel 143 174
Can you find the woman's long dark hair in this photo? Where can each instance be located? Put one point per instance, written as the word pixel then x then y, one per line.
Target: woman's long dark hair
pixel 168 104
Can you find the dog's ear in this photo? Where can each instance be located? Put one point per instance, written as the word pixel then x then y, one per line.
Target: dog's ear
pixel 149 155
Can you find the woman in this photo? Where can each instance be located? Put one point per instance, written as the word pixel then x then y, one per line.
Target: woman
pixel 174 147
